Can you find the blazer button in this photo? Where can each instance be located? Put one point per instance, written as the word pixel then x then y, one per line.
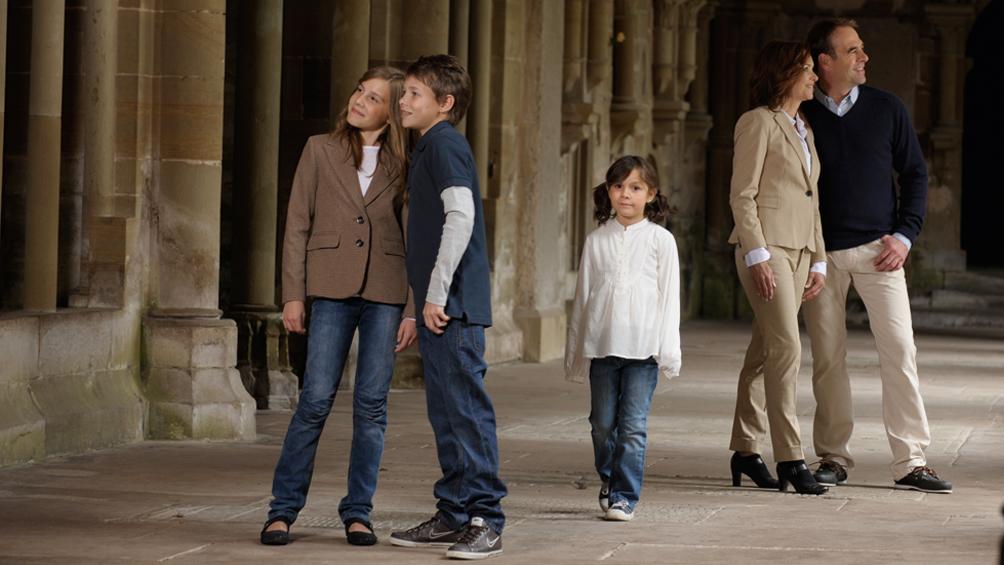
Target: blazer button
pixel 808 193
pixel 359 243
pixel 359 220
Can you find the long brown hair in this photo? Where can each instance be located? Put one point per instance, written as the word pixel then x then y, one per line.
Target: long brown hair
pixel 656 211
pixel 394 138
pixel 776 68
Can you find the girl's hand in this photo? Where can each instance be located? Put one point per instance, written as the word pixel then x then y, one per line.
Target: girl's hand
pixel 406 334
pixel 813 286
pixel 763 279
pixel 293 315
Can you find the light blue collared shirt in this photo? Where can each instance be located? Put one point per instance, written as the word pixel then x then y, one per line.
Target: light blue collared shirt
pixel 840 109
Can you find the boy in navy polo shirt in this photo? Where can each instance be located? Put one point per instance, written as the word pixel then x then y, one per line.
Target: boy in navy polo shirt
pixel 448 271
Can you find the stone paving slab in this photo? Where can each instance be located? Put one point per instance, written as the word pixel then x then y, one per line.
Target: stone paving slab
pixel 203 502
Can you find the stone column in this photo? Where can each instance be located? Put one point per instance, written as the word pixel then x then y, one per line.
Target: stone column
pixel 460 27
pixel 601 18
pixel 100 66
pixel 480 69
pixel 431 35
pixel 631 108
pixel 44 123
pixel 350 51
pixel 256 173
pixel 695 171
pixel 188 368
pixel 540 311
pixel 940 241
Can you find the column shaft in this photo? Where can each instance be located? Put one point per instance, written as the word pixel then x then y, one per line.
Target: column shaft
pixel 480 69
pixel 350 50
pixel 44 122
pixel 432 35
pixel 256 150
pixel 3 83
pixel 100 67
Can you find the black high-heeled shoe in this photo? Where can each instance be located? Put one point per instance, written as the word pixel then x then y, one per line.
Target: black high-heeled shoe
pixel 275 537
pixel 753 467
pixel 360 538
pixel 798 475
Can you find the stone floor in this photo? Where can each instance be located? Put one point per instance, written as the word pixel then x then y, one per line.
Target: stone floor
pixel 196 502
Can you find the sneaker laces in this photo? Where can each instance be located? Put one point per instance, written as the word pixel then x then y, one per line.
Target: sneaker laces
pixel 621 505
pixel 472 533
pixel 430 522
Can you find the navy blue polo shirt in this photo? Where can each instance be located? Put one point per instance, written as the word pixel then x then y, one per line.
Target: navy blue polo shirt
pixel 441 159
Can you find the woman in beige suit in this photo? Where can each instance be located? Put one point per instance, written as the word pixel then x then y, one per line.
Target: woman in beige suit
pixel 344 247
pixel 779 257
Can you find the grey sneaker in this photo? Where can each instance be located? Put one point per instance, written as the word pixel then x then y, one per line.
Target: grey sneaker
pixel 430 533
pixel 924 479
pixel 619 511
pixel 478 542
pixel 604 496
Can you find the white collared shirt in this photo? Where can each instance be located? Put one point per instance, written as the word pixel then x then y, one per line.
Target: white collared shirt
pixel 803 135
pixel 627 299
pixel 368 166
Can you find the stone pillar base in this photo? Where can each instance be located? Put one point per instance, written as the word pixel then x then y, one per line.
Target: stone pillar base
pixel 190 380
pixel 22 427
pixel 544 333
pixel 263 357
pixel 504 341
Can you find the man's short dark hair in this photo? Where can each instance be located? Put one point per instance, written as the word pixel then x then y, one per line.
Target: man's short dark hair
pixel 445 76
pixel 820 34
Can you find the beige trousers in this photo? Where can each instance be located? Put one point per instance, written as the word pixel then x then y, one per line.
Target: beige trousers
pixel 769 374
pixel 888 304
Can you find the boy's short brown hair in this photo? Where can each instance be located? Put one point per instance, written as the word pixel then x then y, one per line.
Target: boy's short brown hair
pixel 445 76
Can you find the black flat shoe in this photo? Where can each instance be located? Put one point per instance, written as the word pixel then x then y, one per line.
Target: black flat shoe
pixel 798 475
pixel 275 537
pixel 360 538
pixel 753 467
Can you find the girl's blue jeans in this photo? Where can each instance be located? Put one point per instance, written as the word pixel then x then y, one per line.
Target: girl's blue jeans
pixel 332 326
pixel 621 391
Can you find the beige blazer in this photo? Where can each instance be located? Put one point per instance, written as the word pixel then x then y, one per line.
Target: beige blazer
pixel 773 197
pixel 339 244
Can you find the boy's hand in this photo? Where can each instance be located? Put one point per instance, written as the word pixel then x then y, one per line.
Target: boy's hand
pixel 406 334
pixel 435 318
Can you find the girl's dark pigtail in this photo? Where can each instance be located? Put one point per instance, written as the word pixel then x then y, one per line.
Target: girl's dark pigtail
pixel 603 208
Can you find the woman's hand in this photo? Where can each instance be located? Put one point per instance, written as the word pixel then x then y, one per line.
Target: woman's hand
pixel 406 334
pixel 763 279
pixel 813 286
pixel 293 316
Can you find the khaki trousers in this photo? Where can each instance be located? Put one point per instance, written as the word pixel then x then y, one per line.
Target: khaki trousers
pixel 769 374
pixel 888 304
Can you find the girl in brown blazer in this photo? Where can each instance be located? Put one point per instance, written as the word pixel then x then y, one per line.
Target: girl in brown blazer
pixel 344 248
pixel 779 257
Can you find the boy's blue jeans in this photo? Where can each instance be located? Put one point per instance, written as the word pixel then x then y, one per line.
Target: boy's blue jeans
pixel 332 325
pixel 463 421
pixel 621 391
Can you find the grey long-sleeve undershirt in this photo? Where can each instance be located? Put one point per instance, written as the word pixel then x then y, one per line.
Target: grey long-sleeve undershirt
pixel 458 205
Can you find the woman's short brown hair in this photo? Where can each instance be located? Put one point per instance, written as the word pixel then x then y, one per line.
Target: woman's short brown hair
pixel 777 67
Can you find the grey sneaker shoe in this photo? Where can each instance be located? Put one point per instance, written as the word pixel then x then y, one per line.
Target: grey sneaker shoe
pixel 430 533
pixel 605 496
pixel 830 473
pixel 478 542
pixel 620 511
pixel 924 479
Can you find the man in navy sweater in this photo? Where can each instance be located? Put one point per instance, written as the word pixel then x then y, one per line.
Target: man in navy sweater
pixel 863 135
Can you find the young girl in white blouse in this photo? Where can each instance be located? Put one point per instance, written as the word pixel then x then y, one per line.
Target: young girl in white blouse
pixel 625 326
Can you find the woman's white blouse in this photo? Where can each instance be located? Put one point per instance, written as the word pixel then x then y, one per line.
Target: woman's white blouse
pixel 627 300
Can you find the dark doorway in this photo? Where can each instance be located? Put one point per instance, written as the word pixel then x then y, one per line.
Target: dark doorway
pixel 983 142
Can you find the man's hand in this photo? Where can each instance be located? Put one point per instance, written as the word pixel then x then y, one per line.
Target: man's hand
pixel 406 334
pixel 763 279
pixel 893 254
pixel 293 315
pixel 813 286
pixel 435 318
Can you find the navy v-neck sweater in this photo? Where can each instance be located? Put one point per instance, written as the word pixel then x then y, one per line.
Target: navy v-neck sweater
pixel 858 154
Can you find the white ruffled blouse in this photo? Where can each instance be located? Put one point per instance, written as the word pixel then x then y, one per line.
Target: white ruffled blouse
pixel 627 300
